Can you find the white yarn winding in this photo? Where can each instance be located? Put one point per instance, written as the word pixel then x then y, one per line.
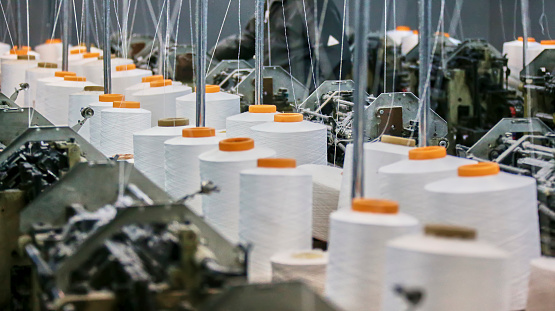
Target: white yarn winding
pixel 275 215
pixel 139 87
pixel 542 285
pixel 404 181
pixel 118 126
pixel 306 266
pixel 56 100
pixel 93 71
pixel 303 141
pixel 95 121
pixel 536 50
pixel 223 168
pixel 454 274
pixel 4 48
pixel 239 125
pixel 408 43
pixel 49 52
pixel 326 183
pixel 513 50
pixel 503 210
pixel 148 146
pixel 219 106
pixel 13 73
pixel 78 101
pixel 121 80
pixel 161 101
pixel 32 76
pixel 397 36
pixel 7 57
pixel 78 65
pixel 41 92
pixel 182 166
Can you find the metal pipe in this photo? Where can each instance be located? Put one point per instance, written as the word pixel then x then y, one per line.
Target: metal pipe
pixel 107 58
pixel 65 34
pixel 259 51
pixel 86 22
pixel 125 22
pixel 525 28
pixel 19 23
pixel 362 18
pixel 425 31
pixel 202 16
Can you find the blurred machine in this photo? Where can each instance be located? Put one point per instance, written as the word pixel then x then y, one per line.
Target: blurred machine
pixel 385 66
pixel 538 87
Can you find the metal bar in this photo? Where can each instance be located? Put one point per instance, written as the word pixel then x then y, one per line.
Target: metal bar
pixel 125 22
pixel 202 16
pixel 259 51
pixel 362 18
pixel 19 24
pixel 65 34
pixel 86 22
pixel 525 28
pixel 425 31
pixel 107 51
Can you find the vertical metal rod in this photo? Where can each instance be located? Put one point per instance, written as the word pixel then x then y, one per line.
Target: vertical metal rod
pixel 525 31
pixel 259 51
pixel 65 34
pixel 425 31
pixel 162 41
pixel 19 24
pixel 362 22
pixel 202 16
pixel 86 22
pixel 125 22
pixel 107 53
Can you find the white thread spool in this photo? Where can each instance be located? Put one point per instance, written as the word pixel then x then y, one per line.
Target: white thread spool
pixel 51 50
pixel 240 125
pixel 356 250
pixel 513 50
pixel 56 98
pixel 13 55
pixel 501 207
pixel 104 101
pixel 126 76
pixel 32 75
pixel 78 65
pixel 4 48
pixel 160 98
pixel 182 165
pixel 80 100
pixel 398 34
pixel 308 267
pixel 292 137
pixel 275 201
pixel 326 183
pixel 536 50
pixel 118 126
pixel 453 271
pixel 404 181
pixel 219 106
pixel 542 285
pixel 409 42
pixel 13 74
pixel 143 85
pixel 74 57
pixel 42 92
pixel 94 70
pixel 388 150
pixel 148 146
pixel 222 166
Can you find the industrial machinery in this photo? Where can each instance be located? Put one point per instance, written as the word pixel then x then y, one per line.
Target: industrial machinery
pixel 538 87
pixel 384 56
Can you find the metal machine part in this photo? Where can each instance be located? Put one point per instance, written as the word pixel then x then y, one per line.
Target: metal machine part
pixel 538 87
pixel 384 55
pixel 229 73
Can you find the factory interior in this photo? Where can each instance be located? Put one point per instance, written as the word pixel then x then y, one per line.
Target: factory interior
pixel 277 155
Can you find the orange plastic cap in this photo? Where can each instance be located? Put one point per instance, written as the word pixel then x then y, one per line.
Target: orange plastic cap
pixel 237 144
pixel 152 78
pixel 61 74
pixel 403 28
pixel 75 78
pixel 479 169
pixel 19 52
pixel 126 104
pixel 91 55
pixel 277 163
pixel 110 98
pixel 378 206
pixel 78 51
pixel 199 132
pixel 288 117
pixel 547 42
pixel 161 83
pixel 530 39
pixel 126 67
pixel 25 47
pixel 53 41
pixel 262 108
pixel 427 153
pixel 415 32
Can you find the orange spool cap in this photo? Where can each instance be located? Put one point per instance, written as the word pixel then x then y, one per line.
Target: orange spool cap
pixel 110 98
pixel 126 104
pixel 277 163
pixel 378 206
pixel 91 55
pixel 196 132
pixel 288 117
pixel 530 39
pixel 262 108
pixel 78 51
pixel 403 28
pixel 19 52
pixel 152 78
pixel 237 144
pixel 547 42
pixel 427 153
pixel 53 41
pixel 126 67
pixel 62 74
pixel 161 83
pixel 75 78
pixel 212 88
pixel 479 169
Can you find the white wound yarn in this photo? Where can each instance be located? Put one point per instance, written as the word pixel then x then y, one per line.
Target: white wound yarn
pixel 454 274
pixel 404 181
pixel 303 141
pixel 502 208
pixel 141 86
pixel 118 126
pixel 308 267
pixel 96 122
pixel 376 155
pixel 49 52
pixel 41 92
pixel 408 43
pixel 78 101
pixel 219 106
pixel 541 296
pixel 56 100
pixel 397 35
pixel 239 125
pixel 121 80
pixel 223 168
pixel 4 48
pixel 78 65
pixel 94 70
pixel 326 183
pixel 513 50
pixel 32 75
pixel 161 101
pixel 148 146
pixel 357 249
pixel 275 215
pixel 536 50
pixel 13 74
pixel 182 166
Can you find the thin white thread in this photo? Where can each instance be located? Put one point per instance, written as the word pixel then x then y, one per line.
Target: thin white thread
pixel 5 19
pixel 219 34
pixel 288 55
pixel 543 19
